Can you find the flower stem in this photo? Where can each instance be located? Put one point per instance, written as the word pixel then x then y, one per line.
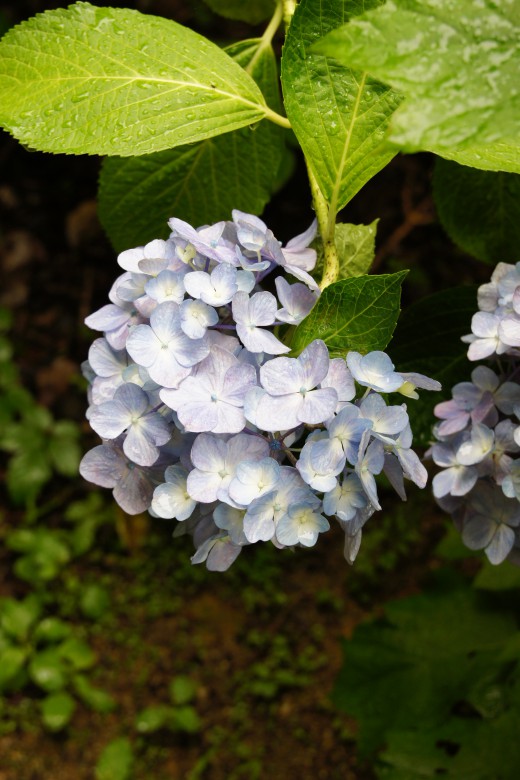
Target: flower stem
pixel 267 37
pixel 326 226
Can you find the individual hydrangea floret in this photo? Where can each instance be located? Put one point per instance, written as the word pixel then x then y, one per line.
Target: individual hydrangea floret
pixel 374 370
pixel 290 396
pixel 212 397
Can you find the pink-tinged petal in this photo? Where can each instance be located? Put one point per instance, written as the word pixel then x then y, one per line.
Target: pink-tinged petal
pixel 278 413
pixel 318 405
pixel 282 376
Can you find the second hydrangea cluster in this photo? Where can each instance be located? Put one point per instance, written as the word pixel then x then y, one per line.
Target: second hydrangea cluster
pixel 205 421
pixel 478 447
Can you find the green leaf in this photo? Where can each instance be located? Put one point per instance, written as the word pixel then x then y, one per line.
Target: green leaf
pixel 182 690
pixel 427 340
pixel 57 710
pixel 18 617
pixel 186 719
pixel 27 473
pixel 200 183
pixel 51 630
pixel 46 558
pixel 115 81
pixel 457 65
pixel 354 314
pixel 48 670
pixel 355 245
pixel 116 761
pixel 408 672
pixel 12 662
pixel 95 698
pixel 253 12
pixel 64 450
pixel 497 578
pixel 79 655
pixel 462 749
pixel 480 210
pixel 153 718
pixel 339 116
pixel 94 601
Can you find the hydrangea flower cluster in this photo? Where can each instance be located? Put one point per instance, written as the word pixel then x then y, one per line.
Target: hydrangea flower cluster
pixel 478 435
pixel 205 421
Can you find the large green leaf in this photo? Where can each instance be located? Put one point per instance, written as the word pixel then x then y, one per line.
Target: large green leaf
pixel 114 81
pixel 200 183
pixel 457 64
pixel 428 340
pixel 480 210
pixel 433 652
pixel 354 314
pixel 339 116
pixel 253 11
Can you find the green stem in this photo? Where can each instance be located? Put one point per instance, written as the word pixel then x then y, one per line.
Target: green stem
pixel 267 37
pixel 278 119
pixel 326 225
pixel 289 7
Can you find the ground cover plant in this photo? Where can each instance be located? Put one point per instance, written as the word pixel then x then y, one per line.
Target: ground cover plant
pixel 252 376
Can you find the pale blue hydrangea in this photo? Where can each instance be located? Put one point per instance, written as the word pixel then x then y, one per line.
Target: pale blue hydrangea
pixel 205 425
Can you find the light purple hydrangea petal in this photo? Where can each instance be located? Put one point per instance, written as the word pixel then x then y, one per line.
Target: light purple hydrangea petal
pixel 374 370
